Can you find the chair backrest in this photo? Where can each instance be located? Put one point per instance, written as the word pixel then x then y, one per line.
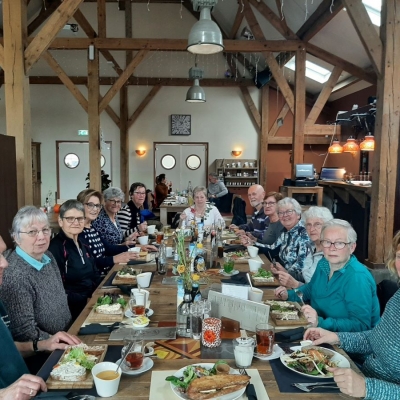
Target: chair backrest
pixel 385 290
pixel 239 211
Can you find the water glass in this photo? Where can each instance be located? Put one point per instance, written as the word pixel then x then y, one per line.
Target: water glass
pixel 244 351
pixel 196 316
pixel 265 334
pixel 206 308
pixel 133 360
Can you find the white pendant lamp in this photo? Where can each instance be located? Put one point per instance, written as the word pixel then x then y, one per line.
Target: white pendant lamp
pixel 196 93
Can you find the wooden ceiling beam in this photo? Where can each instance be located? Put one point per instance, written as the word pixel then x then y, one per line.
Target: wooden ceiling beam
pixel 345 65
pixel 66 80
pixel 122 79
pixel 324 13
pixel 323 96
pixel 272 18
pixel 49 31
pixel 366 32
pixel 352 80
pixel 44 13
pixel 251 107
pixel 307 140
pixel 101 18
pixel 282 114
pixel 1 56
pixel 236 23
pixel 91 33
pixel 154 90
pixel 323 130
pixel 281 15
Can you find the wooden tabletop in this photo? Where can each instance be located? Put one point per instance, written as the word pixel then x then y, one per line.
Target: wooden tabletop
pixel 163 302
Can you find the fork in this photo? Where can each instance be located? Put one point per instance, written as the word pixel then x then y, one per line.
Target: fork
pixel 309 388
pixel 299 294
pixel 242 371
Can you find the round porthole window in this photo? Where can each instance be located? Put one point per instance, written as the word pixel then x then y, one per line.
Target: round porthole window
pixel 193 162
pixel 168 161
pixel 102 161
pixel 71 160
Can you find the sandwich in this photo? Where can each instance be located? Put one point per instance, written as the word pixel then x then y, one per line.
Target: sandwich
pixel 209 387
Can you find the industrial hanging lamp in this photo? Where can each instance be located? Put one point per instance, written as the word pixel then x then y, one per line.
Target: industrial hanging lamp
pixel 205 37
pixel 368 144
pixel 196 93
pixel 335 148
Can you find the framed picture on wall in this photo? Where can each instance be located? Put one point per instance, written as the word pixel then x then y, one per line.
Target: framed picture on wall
pixel 181 124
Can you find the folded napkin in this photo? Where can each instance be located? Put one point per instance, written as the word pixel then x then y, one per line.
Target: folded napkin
pixel 58 395
pixel 137 262
pixel 234 247
pixel 93 329
pixel 290 335
pixel 238 279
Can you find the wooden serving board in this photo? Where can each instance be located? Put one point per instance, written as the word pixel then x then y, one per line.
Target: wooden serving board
pixel 302 321
pixel 125 281
pixel 257 283
pixel 86 384
pixel 240 260
pixel 98 318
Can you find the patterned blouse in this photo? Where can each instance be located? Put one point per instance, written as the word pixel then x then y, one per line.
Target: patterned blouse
pixel 293 249
pixel 381 348
pixel 109 231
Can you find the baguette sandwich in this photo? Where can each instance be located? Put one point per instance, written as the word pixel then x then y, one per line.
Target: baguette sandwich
pixel 209 387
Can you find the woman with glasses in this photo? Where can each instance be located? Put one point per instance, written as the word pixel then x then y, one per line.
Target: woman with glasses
pixel 106 254
pixel 107 223
pixel 129 218
pixel 379 346
pixel 314 218
pixel 77 266
pixel 342 292
pixel 275 226
pixel 32 289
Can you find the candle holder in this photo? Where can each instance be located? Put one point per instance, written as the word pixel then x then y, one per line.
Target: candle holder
pixel 211 332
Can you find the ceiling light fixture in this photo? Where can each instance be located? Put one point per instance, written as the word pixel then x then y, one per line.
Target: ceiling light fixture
pixel 351 146
pixel 368 144
pixel 205 37
pixel 196 93
pixel 140 152
pixel 236 153
pixel 335 148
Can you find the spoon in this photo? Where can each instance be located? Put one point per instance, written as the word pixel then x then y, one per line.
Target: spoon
pixel 128 349
pixel 248 278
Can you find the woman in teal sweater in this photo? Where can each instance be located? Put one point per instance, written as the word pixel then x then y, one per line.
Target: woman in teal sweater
pixel 342 292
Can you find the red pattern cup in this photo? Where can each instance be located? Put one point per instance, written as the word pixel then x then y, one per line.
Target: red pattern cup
pixel 211 332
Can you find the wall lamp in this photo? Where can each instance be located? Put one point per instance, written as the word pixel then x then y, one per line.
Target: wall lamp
pixel 140 152
pixel 236 153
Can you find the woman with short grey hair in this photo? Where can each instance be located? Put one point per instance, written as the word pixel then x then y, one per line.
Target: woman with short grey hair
pixel 32 289
pixel 75 262
pixel 107 223
pixel 314 219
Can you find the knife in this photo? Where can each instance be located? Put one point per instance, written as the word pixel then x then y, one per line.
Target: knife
pixel 251 392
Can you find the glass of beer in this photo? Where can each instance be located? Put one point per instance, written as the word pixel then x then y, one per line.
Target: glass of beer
pixel 265 335
pixel 134 359
pixel 159 237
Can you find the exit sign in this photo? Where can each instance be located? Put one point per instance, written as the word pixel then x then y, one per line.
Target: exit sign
pixel 83 133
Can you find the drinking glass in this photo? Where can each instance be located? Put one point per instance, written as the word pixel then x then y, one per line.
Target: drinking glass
pixel 265 335
pixel 206 308
pixel 137 306
pixel 243 350
pixel 196 314
pixel 159 237
pixel 133 360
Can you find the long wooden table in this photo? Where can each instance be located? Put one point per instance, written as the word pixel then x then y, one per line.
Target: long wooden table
pixel 166 209
pixel 163 302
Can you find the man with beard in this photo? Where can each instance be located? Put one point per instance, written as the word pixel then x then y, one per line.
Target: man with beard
pixel 259 221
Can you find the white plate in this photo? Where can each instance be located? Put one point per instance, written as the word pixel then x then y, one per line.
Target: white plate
pixel 230 396
pixel 275 354
pixel 341 361
pixel 234 272
pixel 129 313
pixel 147 364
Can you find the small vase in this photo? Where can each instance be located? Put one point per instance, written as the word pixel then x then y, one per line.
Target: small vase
pixel 211 332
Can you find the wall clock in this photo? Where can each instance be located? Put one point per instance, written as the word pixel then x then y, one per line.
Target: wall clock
pixel 180 124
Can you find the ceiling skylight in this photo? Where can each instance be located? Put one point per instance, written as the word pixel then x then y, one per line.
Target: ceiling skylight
pixel 373 8
pixel 313 71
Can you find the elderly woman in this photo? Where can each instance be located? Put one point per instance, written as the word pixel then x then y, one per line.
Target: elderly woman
pixel 275 226
pixel 201 211
pixel 106 254
pixel 314 218
pixel 342 292
pixel 293 243
pixel 107 223
pixel 15 383
pixel 32 289
pixel 75 261
pixel 380 347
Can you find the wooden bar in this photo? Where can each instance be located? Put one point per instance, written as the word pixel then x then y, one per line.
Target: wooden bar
pixel 289 191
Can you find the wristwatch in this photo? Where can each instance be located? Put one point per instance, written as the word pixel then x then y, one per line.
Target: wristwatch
pixel 35 345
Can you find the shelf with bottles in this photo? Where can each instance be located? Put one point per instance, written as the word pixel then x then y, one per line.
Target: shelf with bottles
pixel 233 169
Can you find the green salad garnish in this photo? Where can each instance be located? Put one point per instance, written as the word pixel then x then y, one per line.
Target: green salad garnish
pixel 79 356
pixel 262 273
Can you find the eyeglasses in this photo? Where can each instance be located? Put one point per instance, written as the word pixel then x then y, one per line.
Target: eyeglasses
pixel 269 204
pixel 115 201
pixel 140 193
pixel 90 206
pixel 286 213
pixel 35 232
pixel 71 220
pixel 338 245
pixel 317 225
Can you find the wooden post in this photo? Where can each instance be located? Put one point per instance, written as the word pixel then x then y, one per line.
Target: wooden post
pixel 299 110
pixel 387 130
pixel 17 94
pixel 264 135
pixel 94 122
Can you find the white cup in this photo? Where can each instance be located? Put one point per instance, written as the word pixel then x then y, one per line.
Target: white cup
pixel 144 279
pixel 109 387
pixel 255 294
pixel 146 293
pixel 253 251
pixel 143 239
pixel 151 229
pixel 168 251
pixel 254 265
pixel 140 298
